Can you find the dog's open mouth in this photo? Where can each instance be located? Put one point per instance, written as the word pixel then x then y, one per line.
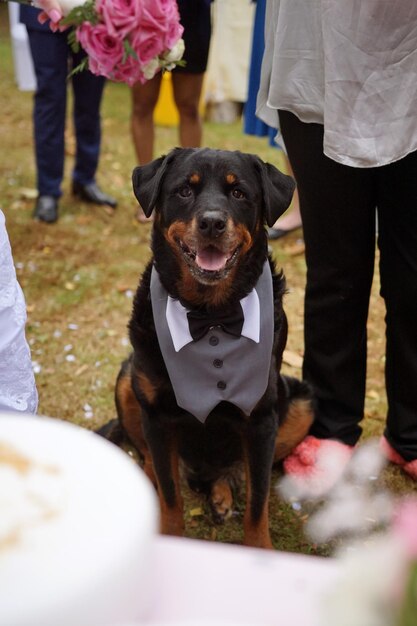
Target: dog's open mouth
pixel 209 260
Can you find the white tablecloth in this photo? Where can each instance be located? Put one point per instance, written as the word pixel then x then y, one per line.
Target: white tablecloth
pixel 200 581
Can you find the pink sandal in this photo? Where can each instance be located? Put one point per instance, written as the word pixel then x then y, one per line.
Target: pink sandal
pixel 410 467
pixel 317 464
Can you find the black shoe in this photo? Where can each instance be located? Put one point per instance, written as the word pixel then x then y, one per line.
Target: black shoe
pixel 92 193
pixel 46 209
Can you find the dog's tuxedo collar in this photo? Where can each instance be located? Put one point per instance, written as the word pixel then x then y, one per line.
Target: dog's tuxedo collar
pixel 178 323
pixel 219 367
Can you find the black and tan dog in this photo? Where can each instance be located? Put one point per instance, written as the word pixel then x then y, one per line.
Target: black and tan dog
pixel 202 387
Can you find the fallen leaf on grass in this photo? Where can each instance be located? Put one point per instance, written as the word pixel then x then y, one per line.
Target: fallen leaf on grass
pixel 108 210
pixel 193 524
pixel 122 288
pixel 292 358
pixel 28 194
pixel 196 512
pixel 81 370
pixel 16 205
pixel 295 249
pixel 372 394
pixel 83 220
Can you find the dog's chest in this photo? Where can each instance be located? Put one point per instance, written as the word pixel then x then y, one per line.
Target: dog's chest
pixel 219 366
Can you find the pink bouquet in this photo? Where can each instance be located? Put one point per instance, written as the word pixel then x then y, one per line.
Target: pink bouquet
pixel 126 40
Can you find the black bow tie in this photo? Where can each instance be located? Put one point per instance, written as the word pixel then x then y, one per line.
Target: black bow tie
pixel 200 322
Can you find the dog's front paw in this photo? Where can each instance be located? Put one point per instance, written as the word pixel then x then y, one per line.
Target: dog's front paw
pixel 221 501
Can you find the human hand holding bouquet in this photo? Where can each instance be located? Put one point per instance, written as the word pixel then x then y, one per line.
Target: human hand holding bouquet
pixel 125 40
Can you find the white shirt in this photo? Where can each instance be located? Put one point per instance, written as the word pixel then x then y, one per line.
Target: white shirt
pixel 177 320
pixel 17 381
pixel 350 65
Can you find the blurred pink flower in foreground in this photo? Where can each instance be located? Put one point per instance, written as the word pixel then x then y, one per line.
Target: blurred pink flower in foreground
pixel 405 525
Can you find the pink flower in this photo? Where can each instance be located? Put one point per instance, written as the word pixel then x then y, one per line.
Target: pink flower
pixel 160 14
pixel 405 525
pixel 129 72
pixel 173 35
pixel 147 43
pixel 104 50
pixel 120 16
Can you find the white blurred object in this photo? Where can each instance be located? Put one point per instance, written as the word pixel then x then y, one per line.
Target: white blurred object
pixel 17 382
pixel 200 582
pixel 368 590
pixel 330 464
pixel 78 523
pixel 22 58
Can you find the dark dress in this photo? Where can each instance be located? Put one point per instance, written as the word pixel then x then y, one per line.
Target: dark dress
pixel 196 18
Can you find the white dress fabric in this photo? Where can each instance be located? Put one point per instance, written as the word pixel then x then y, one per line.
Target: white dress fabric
pixel 227 73
pixel 17 382
pixel 351 66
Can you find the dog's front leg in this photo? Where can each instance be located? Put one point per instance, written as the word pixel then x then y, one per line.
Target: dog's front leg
pixel 164 450
pixel 259 450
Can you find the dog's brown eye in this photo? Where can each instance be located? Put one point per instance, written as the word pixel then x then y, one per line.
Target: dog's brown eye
pixel 185 192
pixel 237 193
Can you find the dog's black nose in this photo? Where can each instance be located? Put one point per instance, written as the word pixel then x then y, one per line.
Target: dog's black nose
pixel 211 223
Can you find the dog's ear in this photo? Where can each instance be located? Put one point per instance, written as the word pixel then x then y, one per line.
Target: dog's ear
pixel 278 190
pixel 147 180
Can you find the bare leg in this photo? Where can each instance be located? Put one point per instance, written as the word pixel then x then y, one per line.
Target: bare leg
pixel 292 217
pixel 187 92
pixel 144 99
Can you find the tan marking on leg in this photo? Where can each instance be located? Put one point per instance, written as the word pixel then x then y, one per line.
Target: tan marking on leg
pixel 147 387
pixel 255 534
pixel 172 518
pixel 130 415
pixel 221 500
pixel 294 428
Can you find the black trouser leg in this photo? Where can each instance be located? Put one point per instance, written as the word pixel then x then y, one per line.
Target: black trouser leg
pixel 397 217
pixel 338 205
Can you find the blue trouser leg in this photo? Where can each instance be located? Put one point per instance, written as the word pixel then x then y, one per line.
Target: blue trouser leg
pixel 88 91
pixel 49 52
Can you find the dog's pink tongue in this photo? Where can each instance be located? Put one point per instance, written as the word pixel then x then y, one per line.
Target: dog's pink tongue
pixel 210 259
